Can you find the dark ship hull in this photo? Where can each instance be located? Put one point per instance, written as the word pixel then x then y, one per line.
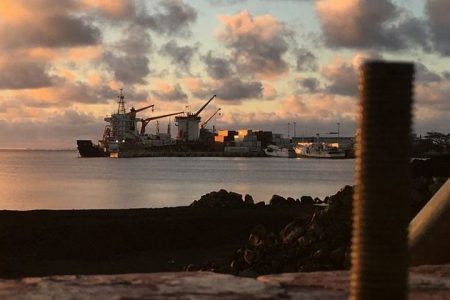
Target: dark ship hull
pixel 87 149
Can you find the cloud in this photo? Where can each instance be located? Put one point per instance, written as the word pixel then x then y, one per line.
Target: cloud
pixel 423 74
pixel 168 92
pixel 198 88
pixel 310 84
pixel 433 95
pixel 128 58
pixel 234 89
pixel 172 17
pixel 438 16
pixel 45 23
pixel 61 130
pixel 305 60
pixel 216 67
pixel 181 56
pixel 117 9
pixel 368 24
pixel 23 74
pixel 257 44
pixel 343 75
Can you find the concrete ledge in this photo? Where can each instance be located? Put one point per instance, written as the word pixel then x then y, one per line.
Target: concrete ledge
pixel 426 282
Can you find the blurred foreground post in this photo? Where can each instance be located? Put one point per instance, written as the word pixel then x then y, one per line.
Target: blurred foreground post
pixel 382 193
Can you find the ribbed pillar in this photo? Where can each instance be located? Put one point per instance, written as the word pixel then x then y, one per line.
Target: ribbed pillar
pixel 383 191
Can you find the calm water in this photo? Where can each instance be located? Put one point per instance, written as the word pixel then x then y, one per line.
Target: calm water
pixel 62 180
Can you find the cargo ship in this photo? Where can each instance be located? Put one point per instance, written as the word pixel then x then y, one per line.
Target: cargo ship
pixel 122 136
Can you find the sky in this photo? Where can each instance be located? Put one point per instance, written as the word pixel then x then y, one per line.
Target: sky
pixel 270 63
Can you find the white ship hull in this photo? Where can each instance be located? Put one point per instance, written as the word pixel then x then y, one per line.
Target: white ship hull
pixel 279 152
pixel 314 150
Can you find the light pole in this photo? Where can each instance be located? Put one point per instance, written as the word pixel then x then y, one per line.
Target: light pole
pixel 289 130
pixel 295 125
pixel 338 132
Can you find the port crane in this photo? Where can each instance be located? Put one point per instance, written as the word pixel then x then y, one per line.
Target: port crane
pixel 203 125
pixel 147 120
pixel 203 107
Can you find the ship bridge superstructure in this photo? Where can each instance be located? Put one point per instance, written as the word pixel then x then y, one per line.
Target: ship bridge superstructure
pixel 123 125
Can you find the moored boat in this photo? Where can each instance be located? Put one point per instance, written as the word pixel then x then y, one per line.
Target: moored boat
pixel 319 150
pixel 275 151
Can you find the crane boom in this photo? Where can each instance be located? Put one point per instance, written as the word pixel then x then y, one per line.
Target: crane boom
pixel 146 121
pixel 203 107
pixel 144 108
pixel 206 122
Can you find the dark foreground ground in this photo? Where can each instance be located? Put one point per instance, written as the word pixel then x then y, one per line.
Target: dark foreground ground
pixel 37 243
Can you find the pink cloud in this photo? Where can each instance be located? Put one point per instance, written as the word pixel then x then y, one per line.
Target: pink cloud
pixel 257 44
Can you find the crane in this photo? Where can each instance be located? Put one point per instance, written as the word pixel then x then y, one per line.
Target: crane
pixel 203 107
pixel 202 126
pixel 133 110
pixel 146 121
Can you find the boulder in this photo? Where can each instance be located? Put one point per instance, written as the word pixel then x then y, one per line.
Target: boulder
pixel 306 200
pixel 277 200
pixel 248 200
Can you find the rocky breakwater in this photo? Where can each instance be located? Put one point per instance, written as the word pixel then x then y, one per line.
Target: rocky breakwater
pixel 317 241
pixel 428 176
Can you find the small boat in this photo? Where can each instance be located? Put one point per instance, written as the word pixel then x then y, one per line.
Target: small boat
pixel 275 151
pixel 319 150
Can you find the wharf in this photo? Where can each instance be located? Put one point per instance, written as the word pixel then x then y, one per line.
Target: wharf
pixel 189 154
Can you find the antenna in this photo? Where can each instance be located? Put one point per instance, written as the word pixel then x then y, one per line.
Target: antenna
pixel 121 109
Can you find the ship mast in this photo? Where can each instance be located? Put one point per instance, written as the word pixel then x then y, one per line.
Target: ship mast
pixel 121 109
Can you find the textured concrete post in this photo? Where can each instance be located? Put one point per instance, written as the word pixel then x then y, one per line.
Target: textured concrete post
pixel 382 194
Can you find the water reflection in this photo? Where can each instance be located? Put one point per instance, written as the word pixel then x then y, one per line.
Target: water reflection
pixel 61 180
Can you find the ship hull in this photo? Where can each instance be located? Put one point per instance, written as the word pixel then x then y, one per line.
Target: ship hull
pixel 87 149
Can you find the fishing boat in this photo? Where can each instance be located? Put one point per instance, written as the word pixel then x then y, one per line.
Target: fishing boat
pixel 276 151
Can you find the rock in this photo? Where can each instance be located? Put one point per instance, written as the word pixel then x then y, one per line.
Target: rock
pixel 220 199
pixel 257 236
pixel 292 231
pixel 260 204
pixel 306 200
pixel 249 256
pixel 248 200
pixel 337 256
pixel 277 200
pixel 290 200
pixel 248 273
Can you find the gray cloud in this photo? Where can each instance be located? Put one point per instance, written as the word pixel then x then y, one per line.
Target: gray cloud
pixel 306 60
pixel 370 24
pixel 65 129
pixel 172 17
pixel 175 94
pixel 310 84
pixel 24 75
pixel 423 74
pixel 217 68
pixel 235 90
pixel 438 13
pixel 128 58
pixel 180 55
pixel 446 75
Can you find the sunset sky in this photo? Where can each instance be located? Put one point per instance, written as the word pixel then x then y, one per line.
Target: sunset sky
pixel 270 62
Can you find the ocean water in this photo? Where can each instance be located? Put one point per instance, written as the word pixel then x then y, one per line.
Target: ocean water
pixel 62 180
